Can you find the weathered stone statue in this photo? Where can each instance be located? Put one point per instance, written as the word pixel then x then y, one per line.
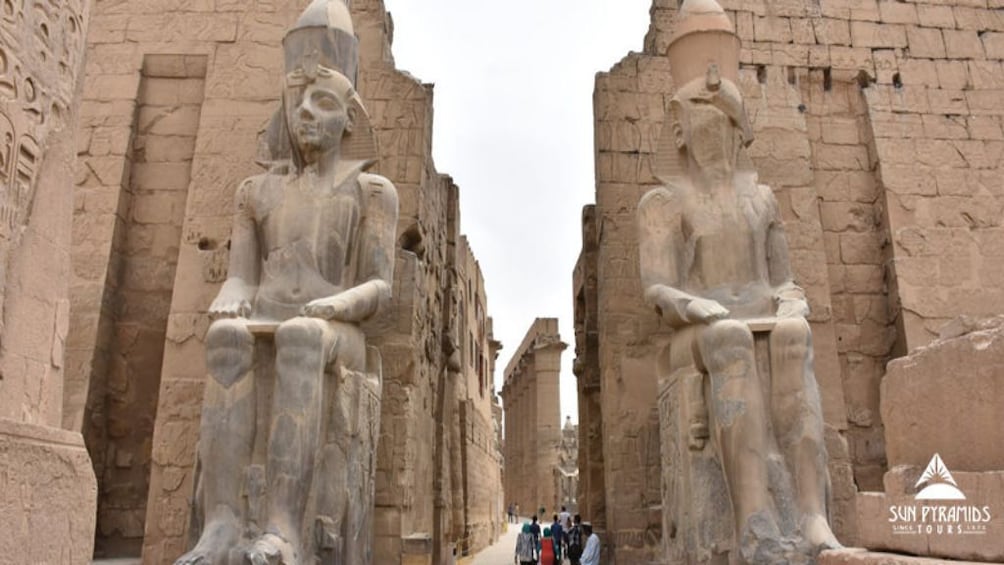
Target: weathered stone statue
pixel 738 370
pixel 290 419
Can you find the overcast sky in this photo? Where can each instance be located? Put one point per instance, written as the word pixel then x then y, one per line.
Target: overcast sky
pixel 514 127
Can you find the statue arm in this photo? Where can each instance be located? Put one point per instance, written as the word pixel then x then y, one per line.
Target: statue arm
pixel 375 257
pixel 660 242
pixel 238 291
pixel 789 296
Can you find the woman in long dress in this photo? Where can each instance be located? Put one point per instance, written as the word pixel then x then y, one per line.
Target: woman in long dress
pixel 526 547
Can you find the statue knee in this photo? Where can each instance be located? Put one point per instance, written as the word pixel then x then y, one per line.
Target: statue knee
pixel 301 333
pixel 791 334
pixel 723 343
pixel 728 334
pixel 229 350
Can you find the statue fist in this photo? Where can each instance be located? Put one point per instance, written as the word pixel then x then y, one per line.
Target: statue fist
pixel 228 307
pixel 330 308
pixel 705 311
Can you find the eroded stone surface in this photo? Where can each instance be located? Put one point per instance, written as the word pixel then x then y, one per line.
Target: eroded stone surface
pixel 958 380
pixel 975 533
pixel 740 406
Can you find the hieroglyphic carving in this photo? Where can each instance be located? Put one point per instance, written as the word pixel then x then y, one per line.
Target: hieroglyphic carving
pixel 41 43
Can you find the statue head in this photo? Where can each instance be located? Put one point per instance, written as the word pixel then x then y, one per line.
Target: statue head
pixel 322 114
pixel 707 123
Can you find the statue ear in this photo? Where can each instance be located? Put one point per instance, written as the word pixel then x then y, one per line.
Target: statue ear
pixel 676 117
pixel 351 122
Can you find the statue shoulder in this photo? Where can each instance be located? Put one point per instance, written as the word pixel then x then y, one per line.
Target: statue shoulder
pixel 670 197
pixel 248 190
pixel 378 190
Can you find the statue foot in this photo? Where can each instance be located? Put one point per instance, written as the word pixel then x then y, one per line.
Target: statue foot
pixel 818 534
pixel 270 549
pixel 762 544
pixel 214 545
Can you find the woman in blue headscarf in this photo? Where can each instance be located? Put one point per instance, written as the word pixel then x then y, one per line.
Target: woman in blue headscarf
pixel 526 547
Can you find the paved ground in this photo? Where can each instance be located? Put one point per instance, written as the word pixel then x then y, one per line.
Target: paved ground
pixel 503 551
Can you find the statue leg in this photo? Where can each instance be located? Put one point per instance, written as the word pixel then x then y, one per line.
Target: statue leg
pixel 226 438
pixel 305 347
pixel 798 423
pixel 739 414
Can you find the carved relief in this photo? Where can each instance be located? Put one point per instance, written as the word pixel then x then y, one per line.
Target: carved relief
pixel 40 52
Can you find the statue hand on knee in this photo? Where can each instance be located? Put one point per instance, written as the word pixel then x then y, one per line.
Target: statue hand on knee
pixel 704 311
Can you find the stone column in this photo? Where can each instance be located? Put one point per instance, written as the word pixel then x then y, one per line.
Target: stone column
pixel 48 492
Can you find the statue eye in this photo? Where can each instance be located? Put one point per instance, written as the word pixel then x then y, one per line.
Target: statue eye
pixel 326 102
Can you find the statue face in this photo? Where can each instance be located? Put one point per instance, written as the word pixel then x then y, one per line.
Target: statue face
pixel 712 140
pixel 318 115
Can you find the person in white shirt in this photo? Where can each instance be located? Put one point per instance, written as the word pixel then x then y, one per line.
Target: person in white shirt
pixel 591 554
pixel 565 518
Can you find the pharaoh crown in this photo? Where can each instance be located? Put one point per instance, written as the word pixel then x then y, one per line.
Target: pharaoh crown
pixel 323 36
pixel 702 36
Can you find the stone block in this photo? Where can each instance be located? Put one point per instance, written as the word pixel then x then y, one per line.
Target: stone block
pixel 862 557
pixel 962 44
pixel 870 34
pixel 993 45
pixel 925 42
pixel 898 13
pixel 832 31
pixel 940 383
pixel 971 528
pixel 49 495
pixel 952 75
pixel 772 29
pixel 931 15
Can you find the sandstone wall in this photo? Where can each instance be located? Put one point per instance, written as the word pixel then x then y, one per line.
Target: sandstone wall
pixel 592 468
pixel 47 487
pixel 877 128
pixel 533 418
pixel 233 49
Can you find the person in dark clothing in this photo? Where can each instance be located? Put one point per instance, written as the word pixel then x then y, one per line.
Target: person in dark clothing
pixel 557 532
pixel 574 541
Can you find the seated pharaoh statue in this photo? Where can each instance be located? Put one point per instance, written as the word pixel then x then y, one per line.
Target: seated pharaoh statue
pixel 290 417
pixel 745 467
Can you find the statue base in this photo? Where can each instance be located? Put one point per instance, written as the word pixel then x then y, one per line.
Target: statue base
pixel 338 527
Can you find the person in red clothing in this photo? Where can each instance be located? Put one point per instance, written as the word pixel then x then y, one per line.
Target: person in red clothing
pixel 547 548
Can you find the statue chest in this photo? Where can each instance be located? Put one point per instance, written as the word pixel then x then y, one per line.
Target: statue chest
pixel 727 242
pixel 311 231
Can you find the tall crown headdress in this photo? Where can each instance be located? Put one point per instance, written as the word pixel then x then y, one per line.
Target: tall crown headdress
pixel 322 42
pixel 323 35
pixel 704 63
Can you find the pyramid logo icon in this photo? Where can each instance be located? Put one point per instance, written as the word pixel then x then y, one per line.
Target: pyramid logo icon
pixel 939 481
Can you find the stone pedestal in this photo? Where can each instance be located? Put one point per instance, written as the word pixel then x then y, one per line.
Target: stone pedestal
pixel 338 527
pixel 696 511
pixel 920 528
pixel 862 557
pixel 47 495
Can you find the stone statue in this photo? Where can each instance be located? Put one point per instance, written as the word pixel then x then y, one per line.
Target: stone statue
pixel 714 265
pixel 290 418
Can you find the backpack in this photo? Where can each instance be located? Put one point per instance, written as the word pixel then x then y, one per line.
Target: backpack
pixel 574 537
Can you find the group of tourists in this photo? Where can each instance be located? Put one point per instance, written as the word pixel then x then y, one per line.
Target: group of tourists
pixel 566 537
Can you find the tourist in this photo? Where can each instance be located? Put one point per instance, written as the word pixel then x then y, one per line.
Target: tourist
pixel 573 539
pixel 557 533
pixel 509 513
pixel 547 548
pixel 591 554
pixel 565 518
pixel 526 547
pixel 535 530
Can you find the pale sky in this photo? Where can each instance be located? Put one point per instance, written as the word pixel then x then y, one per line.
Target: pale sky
pixel 514 127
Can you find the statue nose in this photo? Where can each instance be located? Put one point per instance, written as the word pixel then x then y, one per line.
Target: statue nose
pixel 305 112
